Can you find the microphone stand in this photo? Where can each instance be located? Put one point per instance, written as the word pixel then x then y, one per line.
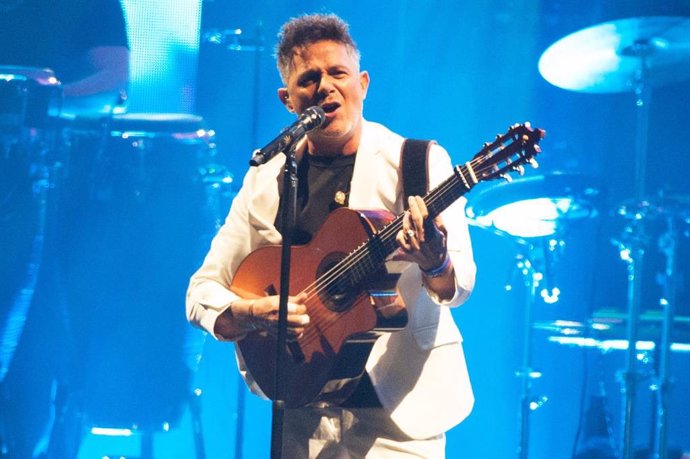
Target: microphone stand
pixel 288 206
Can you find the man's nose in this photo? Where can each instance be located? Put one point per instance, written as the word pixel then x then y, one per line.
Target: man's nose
pixel 326 85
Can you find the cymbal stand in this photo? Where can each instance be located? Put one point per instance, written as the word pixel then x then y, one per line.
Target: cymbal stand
pixel 667 244
pixel 632 247
pixel 526 373
pixel 641 49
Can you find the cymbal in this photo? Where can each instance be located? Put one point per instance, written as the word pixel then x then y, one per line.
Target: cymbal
pixel 609 57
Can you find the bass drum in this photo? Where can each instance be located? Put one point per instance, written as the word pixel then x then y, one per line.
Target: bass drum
pixel 137 214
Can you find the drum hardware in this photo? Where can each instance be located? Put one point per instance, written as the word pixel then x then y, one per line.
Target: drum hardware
pixel 20 301
pixel 138 188
pixel 219 183
pixel 29 100
pixel 596 439
pixel 627 55
pixel 635 241
pixel 536 212
pixel 233 40
pixel 129 147
pixel 526 373
pixel 606 331
pixel 667 243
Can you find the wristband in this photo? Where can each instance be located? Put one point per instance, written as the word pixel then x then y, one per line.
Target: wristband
pixel 438 271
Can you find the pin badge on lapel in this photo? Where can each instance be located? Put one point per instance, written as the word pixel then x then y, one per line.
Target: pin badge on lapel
pixel 340 198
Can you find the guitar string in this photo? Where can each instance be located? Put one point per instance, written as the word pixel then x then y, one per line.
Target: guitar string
pixel 335 276
pixel 386 235
pixel 363 252
pixel 441 191
pixel 435 195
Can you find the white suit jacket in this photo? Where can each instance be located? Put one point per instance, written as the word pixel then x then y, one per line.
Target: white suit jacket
pixel 419 373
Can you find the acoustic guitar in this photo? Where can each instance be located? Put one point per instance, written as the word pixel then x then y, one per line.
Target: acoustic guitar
pixel 341 270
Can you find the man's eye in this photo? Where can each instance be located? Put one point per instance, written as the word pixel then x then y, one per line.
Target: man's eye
pixel 307 80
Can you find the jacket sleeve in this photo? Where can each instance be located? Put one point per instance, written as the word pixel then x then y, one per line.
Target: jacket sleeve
pixel 458 237
pixel 208 293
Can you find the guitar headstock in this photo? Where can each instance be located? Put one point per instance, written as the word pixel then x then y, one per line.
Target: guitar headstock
pixel 508 153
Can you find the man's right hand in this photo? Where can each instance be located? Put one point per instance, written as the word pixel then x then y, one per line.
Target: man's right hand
pixel 262 314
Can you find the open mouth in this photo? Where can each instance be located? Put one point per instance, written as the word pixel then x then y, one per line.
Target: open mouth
pixel 330 107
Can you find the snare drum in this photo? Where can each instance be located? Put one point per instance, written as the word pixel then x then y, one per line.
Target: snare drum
pixel 135 225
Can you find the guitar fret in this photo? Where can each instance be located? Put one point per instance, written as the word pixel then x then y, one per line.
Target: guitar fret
pixel 373 256
pixel 468 167
pixel 368 258
pixel 460 173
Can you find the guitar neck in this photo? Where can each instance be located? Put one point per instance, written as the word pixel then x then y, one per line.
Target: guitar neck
pixel 496 159
pixel 369 257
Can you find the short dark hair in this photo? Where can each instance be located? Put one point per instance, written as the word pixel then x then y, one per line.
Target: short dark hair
pixel 304 30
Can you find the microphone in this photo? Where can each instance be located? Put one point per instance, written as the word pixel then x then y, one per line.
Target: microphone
pixel 311 118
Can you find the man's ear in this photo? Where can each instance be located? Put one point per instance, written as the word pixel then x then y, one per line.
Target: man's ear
pixel 364 83
pixel 285 99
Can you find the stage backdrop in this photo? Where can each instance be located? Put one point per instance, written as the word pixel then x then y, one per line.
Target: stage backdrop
pixel 164 42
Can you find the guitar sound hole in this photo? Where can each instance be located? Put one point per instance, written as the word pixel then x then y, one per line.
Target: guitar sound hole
pixel 338 293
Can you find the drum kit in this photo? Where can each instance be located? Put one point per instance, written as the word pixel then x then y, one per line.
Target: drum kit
pixel 633 55
pixel 117 210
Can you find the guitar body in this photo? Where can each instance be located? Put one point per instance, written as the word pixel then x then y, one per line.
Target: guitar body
pixel 315 369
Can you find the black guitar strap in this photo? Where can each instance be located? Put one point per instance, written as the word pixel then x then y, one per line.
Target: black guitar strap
pixel 414 159
pixel 413 164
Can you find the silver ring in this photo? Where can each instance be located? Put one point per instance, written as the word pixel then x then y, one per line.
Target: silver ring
pixel 409 234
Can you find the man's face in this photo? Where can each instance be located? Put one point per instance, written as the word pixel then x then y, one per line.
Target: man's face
pixel 325 73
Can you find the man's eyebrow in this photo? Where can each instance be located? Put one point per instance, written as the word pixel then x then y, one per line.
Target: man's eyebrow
pixel 306 74
pixel 339 67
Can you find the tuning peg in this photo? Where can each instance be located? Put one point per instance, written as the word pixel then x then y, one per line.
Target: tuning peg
pixel 520 170
pixel 507 178
pixel 533 162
